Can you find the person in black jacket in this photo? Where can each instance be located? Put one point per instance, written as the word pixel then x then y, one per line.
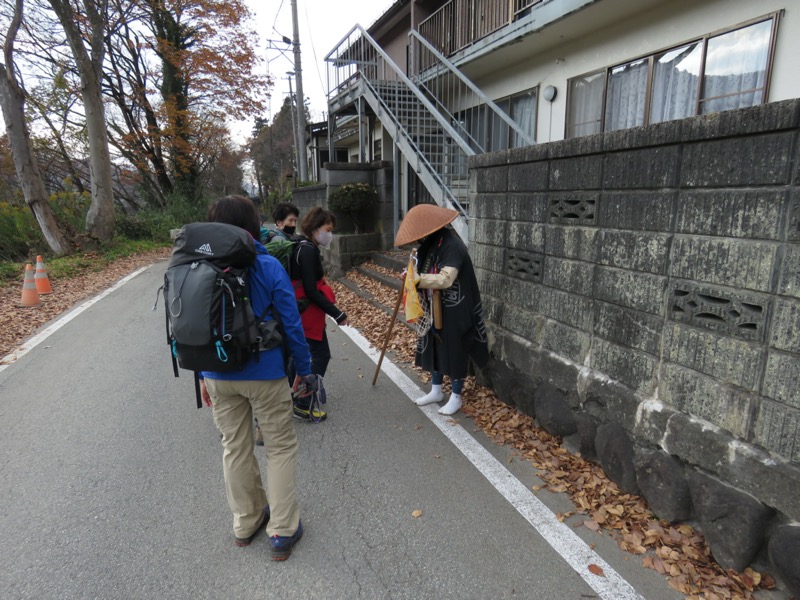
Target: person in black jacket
pixel 454 333
pixel 308 279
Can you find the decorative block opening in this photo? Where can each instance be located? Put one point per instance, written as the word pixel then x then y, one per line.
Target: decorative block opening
pixel 524 265
pixel 576 211
pixel 713 309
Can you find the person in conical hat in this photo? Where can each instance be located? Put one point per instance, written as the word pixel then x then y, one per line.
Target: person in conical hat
pixel 452 332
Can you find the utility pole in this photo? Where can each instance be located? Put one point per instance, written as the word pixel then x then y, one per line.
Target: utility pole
pixel 301 105
pixel 297 137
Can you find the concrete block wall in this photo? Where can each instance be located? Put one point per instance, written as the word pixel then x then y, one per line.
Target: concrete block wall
pixel 377 174
pixel 348 249
pixel 306 198
pixel 652 275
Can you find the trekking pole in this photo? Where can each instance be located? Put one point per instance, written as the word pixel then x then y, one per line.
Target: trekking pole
pixel 388 334
pixel 391 325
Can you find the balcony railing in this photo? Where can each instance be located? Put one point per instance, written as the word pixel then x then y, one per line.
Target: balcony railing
pixel 460 23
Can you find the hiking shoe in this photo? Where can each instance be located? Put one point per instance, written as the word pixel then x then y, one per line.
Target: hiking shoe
pixel 309 415
pixel 281 546
pixel 242 542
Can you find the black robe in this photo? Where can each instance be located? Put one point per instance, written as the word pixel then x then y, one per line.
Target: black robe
pixel 463 332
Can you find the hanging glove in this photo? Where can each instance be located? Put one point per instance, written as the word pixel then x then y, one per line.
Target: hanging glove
pixel 305 385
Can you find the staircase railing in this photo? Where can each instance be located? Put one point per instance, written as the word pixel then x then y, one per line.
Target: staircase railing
pixel 428 139
pixel 470 110
pixel 459 23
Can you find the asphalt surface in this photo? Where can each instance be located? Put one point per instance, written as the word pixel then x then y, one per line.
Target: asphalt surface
pixel 111 486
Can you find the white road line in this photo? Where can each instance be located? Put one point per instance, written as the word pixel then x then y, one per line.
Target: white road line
pixel 29 345
pixel 563 540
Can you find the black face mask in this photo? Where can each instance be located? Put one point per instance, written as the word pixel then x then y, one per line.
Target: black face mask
pixel 289 230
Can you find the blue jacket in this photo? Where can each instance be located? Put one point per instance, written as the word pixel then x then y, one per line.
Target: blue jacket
pixel 270 285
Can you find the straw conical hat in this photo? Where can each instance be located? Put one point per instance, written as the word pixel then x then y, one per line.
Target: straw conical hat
pixel 423 220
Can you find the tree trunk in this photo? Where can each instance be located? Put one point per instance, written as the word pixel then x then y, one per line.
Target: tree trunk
pixel 100 218
pixel 30 179
pixel 12 103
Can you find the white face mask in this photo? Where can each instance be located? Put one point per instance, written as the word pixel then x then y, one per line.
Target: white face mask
pixel 323 238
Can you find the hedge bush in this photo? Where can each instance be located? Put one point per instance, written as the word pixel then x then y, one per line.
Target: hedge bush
pixel 354 200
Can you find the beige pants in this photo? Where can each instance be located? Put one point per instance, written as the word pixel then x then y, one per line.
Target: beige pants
pixel 235 404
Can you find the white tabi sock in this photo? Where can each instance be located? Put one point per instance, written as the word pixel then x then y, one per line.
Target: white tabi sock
pixel 453 405
pixel 435 395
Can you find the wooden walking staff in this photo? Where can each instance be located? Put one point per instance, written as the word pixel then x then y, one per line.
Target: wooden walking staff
pixel 391 325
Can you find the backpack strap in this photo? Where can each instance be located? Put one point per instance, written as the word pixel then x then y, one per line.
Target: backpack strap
pixel 196 388
pixel 169 339
pixel 296 254
pixel 266 310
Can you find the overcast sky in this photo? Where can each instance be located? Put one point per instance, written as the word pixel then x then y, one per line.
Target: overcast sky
pixel 322 24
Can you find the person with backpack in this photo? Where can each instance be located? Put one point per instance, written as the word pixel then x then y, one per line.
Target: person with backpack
pixel 285 216
pixel 311 290
pixel 259 389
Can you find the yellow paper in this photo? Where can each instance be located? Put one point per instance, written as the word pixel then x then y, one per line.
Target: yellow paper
pixel 411 303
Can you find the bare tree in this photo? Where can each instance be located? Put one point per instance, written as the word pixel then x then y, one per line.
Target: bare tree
pixel 177 69
pixel 88 25
pixel 12 101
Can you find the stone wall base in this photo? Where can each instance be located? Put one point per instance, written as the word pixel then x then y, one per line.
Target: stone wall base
pixel 638 440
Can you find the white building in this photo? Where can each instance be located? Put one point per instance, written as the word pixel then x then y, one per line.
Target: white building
pixel 431 83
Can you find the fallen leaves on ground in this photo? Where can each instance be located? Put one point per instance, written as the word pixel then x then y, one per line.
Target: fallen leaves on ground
pixel 18 323
pixel 596 570
pixel 679 552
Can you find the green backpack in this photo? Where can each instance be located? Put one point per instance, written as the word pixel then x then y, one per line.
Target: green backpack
pixel 283 250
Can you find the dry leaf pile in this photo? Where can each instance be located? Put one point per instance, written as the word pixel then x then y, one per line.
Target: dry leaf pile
pixel 678 552
pixel 19 323
pixel 371 320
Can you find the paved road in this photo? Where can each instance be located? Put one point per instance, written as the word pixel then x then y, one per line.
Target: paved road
pixel 111 486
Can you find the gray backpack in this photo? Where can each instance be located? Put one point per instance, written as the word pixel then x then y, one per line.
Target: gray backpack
pixel 209 317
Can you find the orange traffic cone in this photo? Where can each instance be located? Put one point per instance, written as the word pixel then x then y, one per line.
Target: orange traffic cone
pixel 30 296
pixel 42 281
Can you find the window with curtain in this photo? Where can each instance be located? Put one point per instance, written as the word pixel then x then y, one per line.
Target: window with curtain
pixel 585 107
pixel 676 77
pixel 523 112
pixel 499 127
pixel 736 68
pixel 477 127
pixel 491 133
pixel 728 70
pixel 626 95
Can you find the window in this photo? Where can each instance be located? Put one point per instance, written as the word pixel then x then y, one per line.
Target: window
pixel 499 127
pixel 721 71
pixel 736 68
pixel 675 78
pixel 585 109
pixel 523 112
pixel 626 95
pixel 488 132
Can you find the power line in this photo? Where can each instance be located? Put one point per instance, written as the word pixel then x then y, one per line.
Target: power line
pixel 277 14
pixel 314 51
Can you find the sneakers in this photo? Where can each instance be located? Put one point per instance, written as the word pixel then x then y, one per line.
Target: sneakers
pixel 281 546
pixel 242 542
pixel 309 415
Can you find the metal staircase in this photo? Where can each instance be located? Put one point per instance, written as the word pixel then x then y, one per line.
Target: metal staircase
pixel 416 111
